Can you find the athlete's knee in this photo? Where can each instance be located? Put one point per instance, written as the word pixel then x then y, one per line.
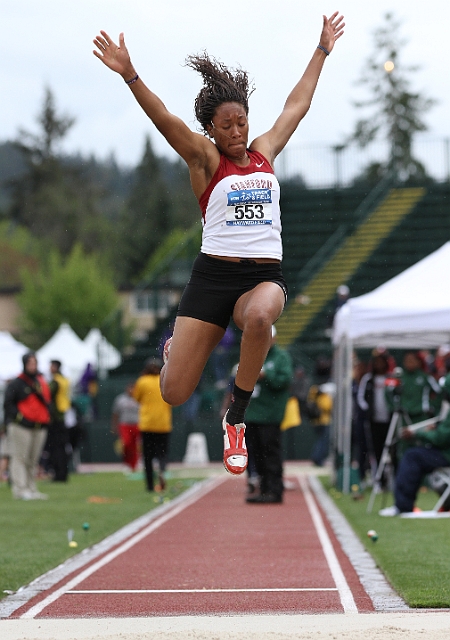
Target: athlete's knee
pixel 258 322
pixel 173 392
pixel 173 396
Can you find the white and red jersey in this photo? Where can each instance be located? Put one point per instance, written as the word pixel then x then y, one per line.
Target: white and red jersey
pixel 241 210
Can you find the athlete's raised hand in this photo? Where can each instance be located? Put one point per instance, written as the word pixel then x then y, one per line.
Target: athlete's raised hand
pixel 114 56
pixel 333 28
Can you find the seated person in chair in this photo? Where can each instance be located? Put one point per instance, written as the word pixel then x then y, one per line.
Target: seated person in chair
pixel 432 451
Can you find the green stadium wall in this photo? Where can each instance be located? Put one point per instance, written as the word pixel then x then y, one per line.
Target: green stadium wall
pixel 310 218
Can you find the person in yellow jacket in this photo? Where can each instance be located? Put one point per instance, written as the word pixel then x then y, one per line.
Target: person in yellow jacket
pixel 57 446
pixel 320 400
pixel 155 421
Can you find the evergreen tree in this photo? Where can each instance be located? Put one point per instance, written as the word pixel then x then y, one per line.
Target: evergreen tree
pixel 397 111
pixel 51 198
pixel 147 217
pixel 185 210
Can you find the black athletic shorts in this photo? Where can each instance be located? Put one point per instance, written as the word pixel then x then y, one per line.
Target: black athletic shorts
pixel 216 285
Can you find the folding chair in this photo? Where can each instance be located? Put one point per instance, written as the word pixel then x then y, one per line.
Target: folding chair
pixel 442 474
pixel 439 480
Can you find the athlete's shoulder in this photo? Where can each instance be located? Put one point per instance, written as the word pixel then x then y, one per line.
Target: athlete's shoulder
pixel 261 145
pixel 258 161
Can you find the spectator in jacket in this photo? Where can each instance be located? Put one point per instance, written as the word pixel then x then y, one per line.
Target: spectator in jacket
pixel 124 423
pixel 444 382
pixel 300 387
pixel 372 401
pixel 415 389
pixel 432 452
pixel 320 397
pixel 155 421
pixel 27 416
pixel 414 395
pixel 264 416
pixel 361 456
pixel 58 436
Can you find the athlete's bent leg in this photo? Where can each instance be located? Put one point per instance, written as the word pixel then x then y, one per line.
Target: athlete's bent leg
pixel 192 343
pixel 255 312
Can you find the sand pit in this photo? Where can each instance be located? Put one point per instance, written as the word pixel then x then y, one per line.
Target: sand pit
pixel 376 626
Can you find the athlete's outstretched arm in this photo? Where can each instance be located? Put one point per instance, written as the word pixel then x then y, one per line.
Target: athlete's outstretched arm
pixel 299 100
pixel 188 144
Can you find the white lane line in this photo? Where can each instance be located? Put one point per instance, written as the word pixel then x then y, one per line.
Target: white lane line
pixel 40 606
pixel 383 596
pixel 345 593
pixel 113 591
pixel 49 580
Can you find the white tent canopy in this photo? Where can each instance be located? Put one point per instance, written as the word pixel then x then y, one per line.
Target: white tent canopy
pixel 67 347
pixel 11 353
pixel 105 355
pixel 410 311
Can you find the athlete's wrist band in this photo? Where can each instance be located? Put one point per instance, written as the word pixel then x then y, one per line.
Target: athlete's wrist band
pixel 132 81
pixel 326 52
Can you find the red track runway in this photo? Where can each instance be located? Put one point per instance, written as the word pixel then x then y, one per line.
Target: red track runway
pixel 213 554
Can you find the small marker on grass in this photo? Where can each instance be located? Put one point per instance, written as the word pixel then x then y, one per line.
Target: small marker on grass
pixel 373 535
pixel 72 543
pixel 86 527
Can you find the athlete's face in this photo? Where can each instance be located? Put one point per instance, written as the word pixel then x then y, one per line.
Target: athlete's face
pixel 229 128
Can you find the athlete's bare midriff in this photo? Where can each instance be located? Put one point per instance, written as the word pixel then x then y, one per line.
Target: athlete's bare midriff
pixel 233 259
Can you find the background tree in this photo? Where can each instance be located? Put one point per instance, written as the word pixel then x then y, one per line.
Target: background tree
pixel 19 251
pixel 51 196
pixel 122 214
pixel 185 208
pixel 78 290
pixel 146 218
pixel 396 110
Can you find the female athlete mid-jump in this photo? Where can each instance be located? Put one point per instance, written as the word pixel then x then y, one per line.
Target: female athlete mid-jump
pixel 237 274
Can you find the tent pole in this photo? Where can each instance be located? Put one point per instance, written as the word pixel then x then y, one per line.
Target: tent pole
pixel 337 404
pixel 347 376
pixel 338 417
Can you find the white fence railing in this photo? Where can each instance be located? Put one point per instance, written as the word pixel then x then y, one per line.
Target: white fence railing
pixel 322 166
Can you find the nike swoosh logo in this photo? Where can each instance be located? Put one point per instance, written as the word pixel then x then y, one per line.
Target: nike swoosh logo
pixel 259 165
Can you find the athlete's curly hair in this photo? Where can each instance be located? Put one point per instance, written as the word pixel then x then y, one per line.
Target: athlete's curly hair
pixel 220 85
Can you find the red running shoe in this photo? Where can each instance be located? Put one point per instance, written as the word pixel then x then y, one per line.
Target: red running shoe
pixel 235 457
pixel 167 349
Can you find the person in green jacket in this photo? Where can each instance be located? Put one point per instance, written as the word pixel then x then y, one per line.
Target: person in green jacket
pixel 264 416
pixel 416 390
pixel 432 452
pixel 444 383
pixel 417 397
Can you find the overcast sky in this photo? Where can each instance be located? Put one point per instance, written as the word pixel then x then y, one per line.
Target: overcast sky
pixel 49 43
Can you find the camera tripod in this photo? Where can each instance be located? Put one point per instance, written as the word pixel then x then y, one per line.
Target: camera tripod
pixel 399 418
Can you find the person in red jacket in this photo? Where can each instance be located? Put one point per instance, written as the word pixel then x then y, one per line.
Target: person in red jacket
pixel 27 416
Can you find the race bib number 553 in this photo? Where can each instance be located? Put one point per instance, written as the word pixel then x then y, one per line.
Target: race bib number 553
pixel 249 207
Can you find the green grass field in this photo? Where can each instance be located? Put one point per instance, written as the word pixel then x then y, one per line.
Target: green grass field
pixel 34 535
pixel 413 554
